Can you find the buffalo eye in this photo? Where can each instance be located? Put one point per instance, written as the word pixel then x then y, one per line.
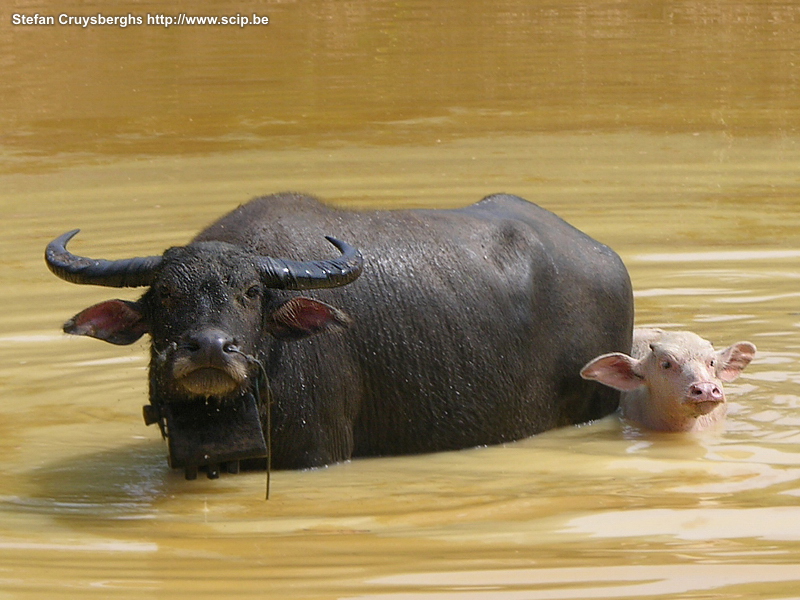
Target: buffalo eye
pixel 666 365
pixel 165 295
pixel 253 292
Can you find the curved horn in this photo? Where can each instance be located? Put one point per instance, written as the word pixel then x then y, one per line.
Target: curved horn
pixel 128 272
pixel 306 275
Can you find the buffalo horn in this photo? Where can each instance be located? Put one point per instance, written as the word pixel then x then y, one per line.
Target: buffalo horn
pixel 286 274
pixel 128 272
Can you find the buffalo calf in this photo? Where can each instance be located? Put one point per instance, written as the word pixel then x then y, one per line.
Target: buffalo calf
pixel 673 380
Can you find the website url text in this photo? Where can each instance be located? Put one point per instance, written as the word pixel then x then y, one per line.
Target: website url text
pixel 162 20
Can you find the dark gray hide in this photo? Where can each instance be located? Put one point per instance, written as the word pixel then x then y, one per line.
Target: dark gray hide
pixel 468 327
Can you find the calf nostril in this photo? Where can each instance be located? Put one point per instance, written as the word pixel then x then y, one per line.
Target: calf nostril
pixel 706 391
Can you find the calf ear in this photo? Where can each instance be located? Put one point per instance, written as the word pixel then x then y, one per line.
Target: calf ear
pixel 115 321
pixel 301 317
pixel 732 361
pixel 615 370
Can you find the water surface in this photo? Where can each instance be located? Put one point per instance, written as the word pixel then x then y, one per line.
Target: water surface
pixel 666 130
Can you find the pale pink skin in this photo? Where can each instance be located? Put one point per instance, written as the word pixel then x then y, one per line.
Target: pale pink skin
pixel 673 380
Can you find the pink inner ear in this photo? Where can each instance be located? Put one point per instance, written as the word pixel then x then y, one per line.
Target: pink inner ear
pixel 300 317
pixel 114 321
pixel 734 359
pixel 614 370
pixel 304 313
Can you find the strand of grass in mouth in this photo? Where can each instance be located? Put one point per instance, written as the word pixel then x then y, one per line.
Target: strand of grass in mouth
pixel 263 373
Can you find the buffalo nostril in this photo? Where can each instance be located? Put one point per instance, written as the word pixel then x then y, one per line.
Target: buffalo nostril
pixel 706 391
pixel 210 342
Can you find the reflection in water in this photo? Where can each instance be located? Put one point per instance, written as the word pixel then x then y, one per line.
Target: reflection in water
pixel 730 255
pixel 603 582
pixel 666 131
pixel 124 482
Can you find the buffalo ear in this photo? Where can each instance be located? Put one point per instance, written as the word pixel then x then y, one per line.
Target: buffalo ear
pixel 733 359
pixel 300 317
pixel 115 321
pixel 615 370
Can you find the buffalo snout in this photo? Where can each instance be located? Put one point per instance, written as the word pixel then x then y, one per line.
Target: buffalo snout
pixel 211 347
pixel 209 363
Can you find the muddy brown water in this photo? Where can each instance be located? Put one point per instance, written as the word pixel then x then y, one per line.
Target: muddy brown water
pixel 666 130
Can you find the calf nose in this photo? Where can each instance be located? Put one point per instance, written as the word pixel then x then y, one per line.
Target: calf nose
pixel 211 346
pixel 706 392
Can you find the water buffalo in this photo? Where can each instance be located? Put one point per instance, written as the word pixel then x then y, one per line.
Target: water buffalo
pixel 467 327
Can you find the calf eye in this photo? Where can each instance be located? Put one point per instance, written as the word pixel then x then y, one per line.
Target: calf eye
pixel 254 291
pixel 665 364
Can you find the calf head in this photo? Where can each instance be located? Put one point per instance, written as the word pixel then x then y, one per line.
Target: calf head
pixel 673 378
pixel 208 307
